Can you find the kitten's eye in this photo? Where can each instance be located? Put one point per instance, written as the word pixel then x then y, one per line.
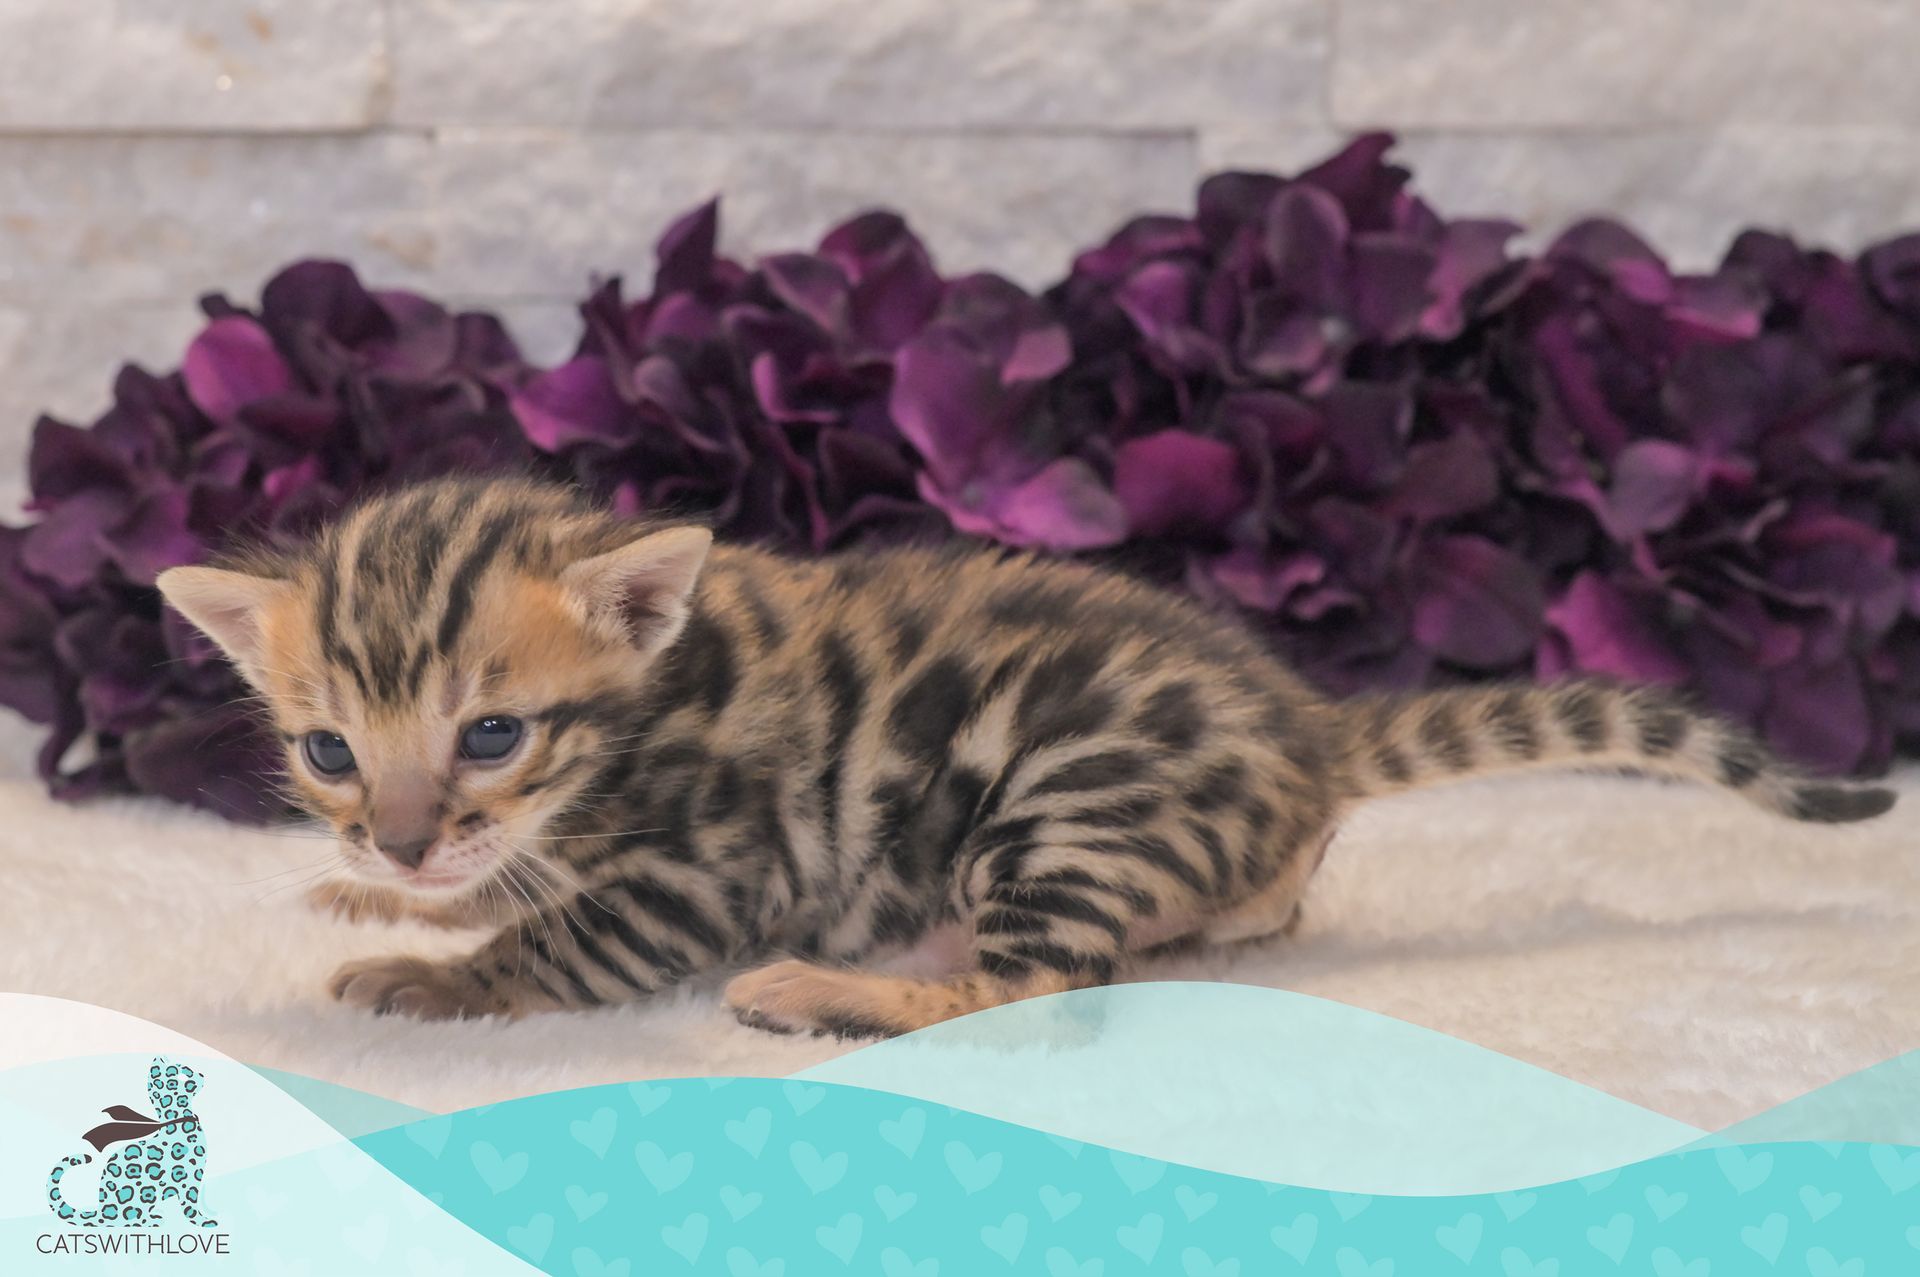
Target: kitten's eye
pixel 328 753
pixel 491 737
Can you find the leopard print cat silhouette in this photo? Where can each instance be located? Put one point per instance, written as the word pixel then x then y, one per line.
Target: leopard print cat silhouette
pixel 164 1162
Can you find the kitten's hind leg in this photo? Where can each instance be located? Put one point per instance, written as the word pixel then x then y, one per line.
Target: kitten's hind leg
pixel 1272 910
pixel 1047 927
pixel 1052 904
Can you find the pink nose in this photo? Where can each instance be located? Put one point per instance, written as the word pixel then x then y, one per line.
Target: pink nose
pixel 408 854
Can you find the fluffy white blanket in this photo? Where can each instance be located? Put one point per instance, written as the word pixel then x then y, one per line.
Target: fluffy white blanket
pixel 1665 944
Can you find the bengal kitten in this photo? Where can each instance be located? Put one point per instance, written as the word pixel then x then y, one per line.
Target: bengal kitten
pixel 651 756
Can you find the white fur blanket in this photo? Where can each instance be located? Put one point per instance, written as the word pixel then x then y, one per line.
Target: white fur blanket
pixel 1665 944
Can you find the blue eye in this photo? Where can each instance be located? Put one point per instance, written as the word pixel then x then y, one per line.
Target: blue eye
pixel 328 753
pixel 491 737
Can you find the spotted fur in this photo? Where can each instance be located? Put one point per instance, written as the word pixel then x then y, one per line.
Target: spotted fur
pixel 731 758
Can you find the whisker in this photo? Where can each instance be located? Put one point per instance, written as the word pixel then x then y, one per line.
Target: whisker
pixel 617 833
pixel 254 882
pixel 572 883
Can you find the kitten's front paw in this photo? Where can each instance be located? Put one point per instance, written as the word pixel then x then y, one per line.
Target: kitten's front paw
pixel 416 987
pixel 361 902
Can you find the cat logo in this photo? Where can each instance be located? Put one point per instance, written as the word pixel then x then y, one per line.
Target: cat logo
pixel 156 1166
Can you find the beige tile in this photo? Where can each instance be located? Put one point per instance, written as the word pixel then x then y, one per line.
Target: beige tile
pixel 856 64
pixel 163 219
pixel 1578 64
pixel 149 65
pixel 1689 193
pixel 535 212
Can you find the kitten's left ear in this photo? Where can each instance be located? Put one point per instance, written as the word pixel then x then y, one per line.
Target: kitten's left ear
pixel 644 587
pixel 228 607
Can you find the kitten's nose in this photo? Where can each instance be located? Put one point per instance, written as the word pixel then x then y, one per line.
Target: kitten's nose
pixel 406 816
pixel 408 853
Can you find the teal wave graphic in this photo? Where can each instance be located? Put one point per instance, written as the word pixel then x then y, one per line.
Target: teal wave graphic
pixel 350 1112
pixel 762 1178
pixel 1270 1084
pixel 1197 1129
pixel 1881 1104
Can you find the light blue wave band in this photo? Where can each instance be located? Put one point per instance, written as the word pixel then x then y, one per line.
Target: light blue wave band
pixel 350 1112
pixel 761 1178
pixel 1245 1080
pixel 1878 1104
pixel 798 1177
pixel 1270 1084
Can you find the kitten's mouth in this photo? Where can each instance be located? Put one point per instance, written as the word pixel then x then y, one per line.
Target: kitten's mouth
pixel 442 880
pixel 453 871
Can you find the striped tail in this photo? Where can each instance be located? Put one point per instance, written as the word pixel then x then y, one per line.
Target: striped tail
pixel 58 1203
pixel 1408 741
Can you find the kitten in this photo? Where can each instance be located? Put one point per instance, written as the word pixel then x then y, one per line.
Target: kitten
pixel 653 756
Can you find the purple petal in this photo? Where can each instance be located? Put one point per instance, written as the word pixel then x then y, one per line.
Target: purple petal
pixel 425 338
pixel 65 460
pixel 1653 483
pixel 1722 307
pixel 231 364
pixel 1064 507
pixel 1388 285
pixel 1257 581
pixel 1477 605
pixel 1177 480
pixel 684 256
pixel 895 287
pixel 1367 425
pixel 811 285
pixel 574 403
pixel 1367 187
pixel 1306 245
pixel 327 299
pixel 1618 254
pixel 1820 715
pixel 1452 477
pixel 1892 271
pixel 949 403
pixel 155 537
pixel 1279 338
pixel 1606 633
pixel 1136 243
pixel 68 546
pixel 1470 252
pixel 1159 299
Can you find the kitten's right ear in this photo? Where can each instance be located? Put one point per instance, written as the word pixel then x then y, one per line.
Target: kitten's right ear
pixel 644 587
pixel 228 607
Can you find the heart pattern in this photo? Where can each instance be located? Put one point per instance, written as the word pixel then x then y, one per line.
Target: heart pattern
pixel 1462 1238
pixel 767 1178
pixel 1767 1237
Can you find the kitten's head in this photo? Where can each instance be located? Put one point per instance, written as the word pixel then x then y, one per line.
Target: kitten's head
pixel 446 664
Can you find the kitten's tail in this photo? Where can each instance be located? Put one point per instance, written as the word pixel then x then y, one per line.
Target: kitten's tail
pixel 1408 741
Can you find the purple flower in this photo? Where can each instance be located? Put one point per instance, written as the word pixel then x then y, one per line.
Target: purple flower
pixel 273 421
pixel 1400 451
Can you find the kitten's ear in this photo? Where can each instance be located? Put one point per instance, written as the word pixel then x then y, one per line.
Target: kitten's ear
pixel 644 586
pixel 228 607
